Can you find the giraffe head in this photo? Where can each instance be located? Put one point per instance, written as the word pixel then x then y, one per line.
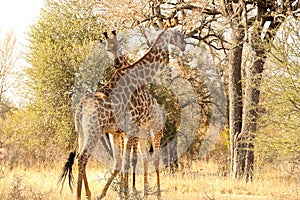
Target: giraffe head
pixel 112 47
pixel 177 39
pixel 174 36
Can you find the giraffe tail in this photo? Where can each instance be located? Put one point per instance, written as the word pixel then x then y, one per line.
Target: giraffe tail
pixel 67 171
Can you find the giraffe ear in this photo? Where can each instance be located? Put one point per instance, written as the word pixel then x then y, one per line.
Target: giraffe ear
pixel 168 23
pixel 105 35
pixel 175 21
pixel 114 33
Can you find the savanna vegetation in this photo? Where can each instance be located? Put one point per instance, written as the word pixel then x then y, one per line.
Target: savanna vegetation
pixel 255 47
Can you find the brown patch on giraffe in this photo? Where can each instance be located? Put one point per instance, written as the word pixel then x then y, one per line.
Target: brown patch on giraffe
pixel 141 74
pixel 147 71
pixel 150 58
pixel 157 57
pixel 134 101
pixel 148 79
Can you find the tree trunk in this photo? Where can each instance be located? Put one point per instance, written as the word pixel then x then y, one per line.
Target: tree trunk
pixel 235 100
pixel 242 147
pixel 251 101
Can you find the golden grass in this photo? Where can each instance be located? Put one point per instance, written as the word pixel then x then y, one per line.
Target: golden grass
pixel 198 183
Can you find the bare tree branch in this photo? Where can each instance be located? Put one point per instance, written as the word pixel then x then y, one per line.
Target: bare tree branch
pixel 8 59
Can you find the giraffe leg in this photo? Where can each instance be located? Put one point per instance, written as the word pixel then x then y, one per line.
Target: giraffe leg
pixel 145 158
pixel 122 178
pixel 134 162
pixel 117 166
pixel 126 163
pixel 156 145
pixel 118 148
pixel 82 161
pixel 86 185
pixel 121 186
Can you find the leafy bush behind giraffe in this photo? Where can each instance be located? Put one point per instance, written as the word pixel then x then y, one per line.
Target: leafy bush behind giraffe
pixel 59 42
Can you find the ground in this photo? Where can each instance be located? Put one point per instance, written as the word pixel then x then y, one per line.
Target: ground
pixel 199 182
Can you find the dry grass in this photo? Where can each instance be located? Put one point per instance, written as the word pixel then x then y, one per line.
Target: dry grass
pixel 198 183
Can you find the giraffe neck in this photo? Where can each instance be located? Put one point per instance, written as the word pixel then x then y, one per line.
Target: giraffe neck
pixel 146 67
pixel 123 62
pixel 107 88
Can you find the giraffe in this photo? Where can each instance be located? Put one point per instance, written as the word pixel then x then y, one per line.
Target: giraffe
pixel 120 61
pixel 105 111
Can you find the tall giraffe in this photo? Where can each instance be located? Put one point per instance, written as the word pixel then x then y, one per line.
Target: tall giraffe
pixel 120 61
pixel 105 111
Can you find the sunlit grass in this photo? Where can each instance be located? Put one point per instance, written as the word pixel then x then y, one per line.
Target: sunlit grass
pixel 200 182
